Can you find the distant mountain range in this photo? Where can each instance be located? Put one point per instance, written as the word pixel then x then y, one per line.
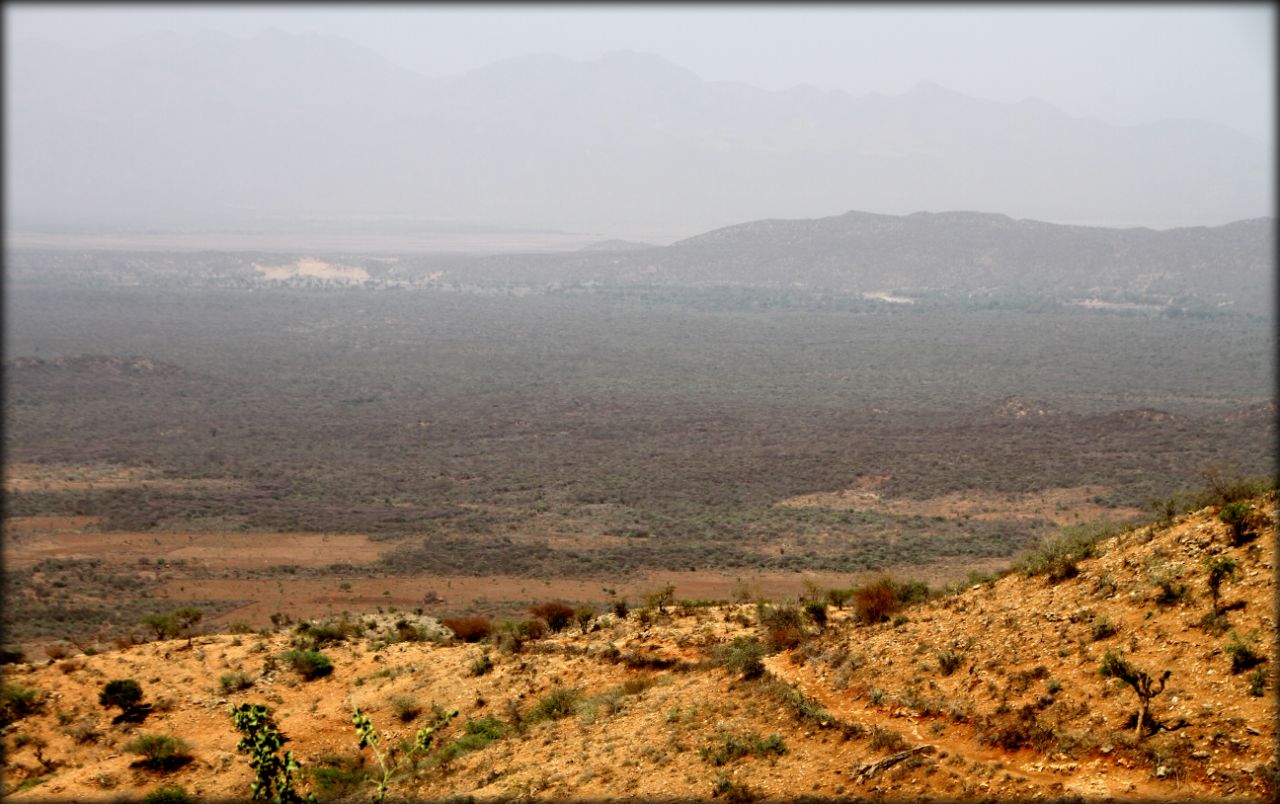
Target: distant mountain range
pixel 209 129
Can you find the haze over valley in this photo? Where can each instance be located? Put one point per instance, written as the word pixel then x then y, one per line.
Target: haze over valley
pixel 599 427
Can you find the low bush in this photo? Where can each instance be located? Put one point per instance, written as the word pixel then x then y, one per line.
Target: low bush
pixel 160 752
pixel 469 629
pixel 16 702
pixel 309 664
pixel 744 655
pixel 838 597
pixel 173 794
pixel 234 681
pixel 876 601
pixel 555 615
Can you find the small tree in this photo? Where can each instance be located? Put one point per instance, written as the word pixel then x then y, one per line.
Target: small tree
pixel 163 625
pixel 661 598
pixel 1115 666
pixel 1236 516
pixel 1220 569
pixel 125 694
pixel 186 618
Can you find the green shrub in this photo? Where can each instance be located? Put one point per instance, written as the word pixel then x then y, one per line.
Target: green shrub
pixel 173 794
pixel 309 664
pixel 1237 516
pixel 234 681
pixel 16 702
pixel 1219 569
pixel 160 751
pixel 584 614
pixel 817 611
pixel 1171 591
pixel 125 694
pixel 744 655
pixel 838 597
pixel 1243 654
pixel 558 703
pixel 620 608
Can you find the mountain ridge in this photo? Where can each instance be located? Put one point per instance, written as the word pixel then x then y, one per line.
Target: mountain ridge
pixel 628 144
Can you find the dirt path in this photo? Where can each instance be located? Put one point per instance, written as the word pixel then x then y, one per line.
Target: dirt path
pixel 1090 778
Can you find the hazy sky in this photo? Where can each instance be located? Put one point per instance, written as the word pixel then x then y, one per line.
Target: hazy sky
pixel 1124 64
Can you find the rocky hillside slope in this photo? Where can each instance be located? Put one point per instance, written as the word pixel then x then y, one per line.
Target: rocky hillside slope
pixel 991 691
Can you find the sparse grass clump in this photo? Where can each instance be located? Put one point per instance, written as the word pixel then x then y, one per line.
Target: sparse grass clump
pixel 558 703
pixel 949 661
pixel 1244 656
pixel 234 681
pixel 728 747
pixel 887 740
pixel 480 665
pixel 1057 558
pixel 406 707
pixel 1102 628
pixel 477 734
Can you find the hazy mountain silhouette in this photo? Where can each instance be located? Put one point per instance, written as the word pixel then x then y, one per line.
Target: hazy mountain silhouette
pixel 210 128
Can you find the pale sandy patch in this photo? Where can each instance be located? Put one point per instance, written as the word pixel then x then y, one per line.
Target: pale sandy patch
pixel 313 268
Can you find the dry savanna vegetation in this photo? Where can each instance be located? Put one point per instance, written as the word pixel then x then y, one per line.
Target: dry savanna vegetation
pixel 1131 661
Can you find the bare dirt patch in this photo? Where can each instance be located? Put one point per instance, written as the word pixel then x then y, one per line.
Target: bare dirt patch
pixel 29 477
pixel 1064 506
pixel 33 539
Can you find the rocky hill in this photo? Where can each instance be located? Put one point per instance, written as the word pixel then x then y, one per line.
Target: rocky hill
pixel 995 690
